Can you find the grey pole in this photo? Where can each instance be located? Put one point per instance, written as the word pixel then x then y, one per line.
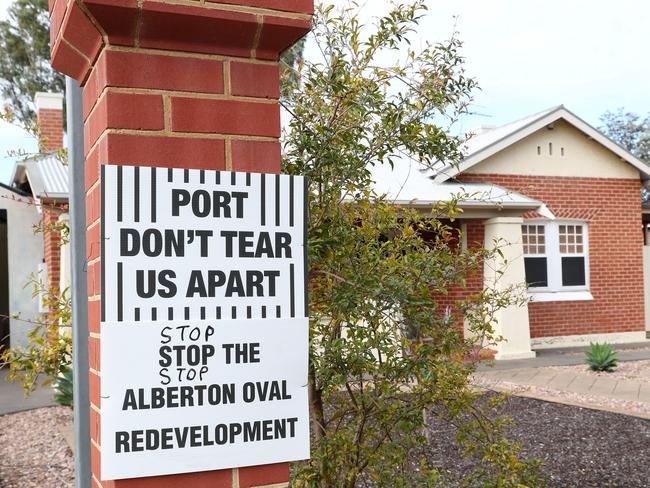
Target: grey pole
pixel 79 291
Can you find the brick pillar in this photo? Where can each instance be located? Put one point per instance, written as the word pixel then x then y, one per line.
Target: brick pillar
pixel 49 116
pixel 185 84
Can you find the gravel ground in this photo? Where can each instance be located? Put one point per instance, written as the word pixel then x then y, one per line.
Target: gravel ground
pixel 628 370
pixel 578 447
pixel 33 453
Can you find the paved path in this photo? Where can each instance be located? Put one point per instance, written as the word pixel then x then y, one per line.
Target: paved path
pixel 12 398
pixel 535 373
pixel 569 356
pixel 574 382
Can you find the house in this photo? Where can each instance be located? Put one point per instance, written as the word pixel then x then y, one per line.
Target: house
pixel 567 200
pixel 36 195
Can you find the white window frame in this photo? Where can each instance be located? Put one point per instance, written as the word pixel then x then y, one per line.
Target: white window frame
pixel 555 291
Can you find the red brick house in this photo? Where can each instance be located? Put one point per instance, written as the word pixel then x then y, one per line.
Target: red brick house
pixel 568 201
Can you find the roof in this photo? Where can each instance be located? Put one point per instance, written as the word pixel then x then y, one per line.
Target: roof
pixel 406 184
pixel 46 175
pixel 12 189
pixel 483 145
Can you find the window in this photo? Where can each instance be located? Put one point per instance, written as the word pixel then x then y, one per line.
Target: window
pixel 535 262
pixel 572 255
pixel 555 256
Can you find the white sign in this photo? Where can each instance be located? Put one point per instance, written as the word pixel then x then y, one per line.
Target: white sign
pixel 204 345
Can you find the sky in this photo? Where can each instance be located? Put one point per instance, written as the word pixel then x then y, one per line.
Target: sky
pixel 527 55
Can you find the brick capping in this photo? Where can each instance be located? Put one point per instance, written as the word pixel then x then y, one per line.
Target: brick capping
pixel 257 29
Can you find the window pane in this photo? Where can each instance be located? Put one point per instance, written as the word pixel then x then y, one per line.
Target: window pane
pixel 573 271
pixel 570 235
pixel 536 272
pixel 533 239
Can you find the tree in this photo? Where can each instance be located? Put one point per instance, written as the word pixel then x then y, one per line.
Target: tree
pixel 25 57
pixel 383 346
pixel 630 131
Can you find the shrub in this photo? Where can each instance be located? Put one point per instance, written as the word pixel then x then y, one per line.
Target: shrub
pixel 601 357
pixel 63 386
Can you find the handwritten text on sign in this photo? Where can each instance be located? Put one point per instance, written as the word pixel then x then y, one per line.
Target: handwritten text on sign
pixel 204 338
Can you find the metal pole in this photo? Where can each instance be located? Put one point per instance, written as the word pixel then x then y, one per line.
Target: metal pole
pixel 79 291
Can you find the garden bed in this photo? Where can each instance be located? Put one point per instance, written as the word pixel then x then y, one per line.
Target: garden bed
pixel 33 452
pixel 577 447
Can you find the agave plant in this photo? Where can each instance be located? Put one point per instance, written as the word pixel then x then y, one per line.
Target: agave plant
pixel 601 357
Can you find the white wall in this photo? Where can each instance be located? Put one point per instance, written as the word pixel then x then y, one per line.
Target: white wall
pixel 25 252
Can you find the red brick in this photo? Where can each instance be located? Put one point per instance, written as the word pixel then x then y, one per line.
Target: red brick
pixel 124 111
pixel 90 93
pixel 298 6
pixel 95 460
pixel 90 280
pixel 50 123
pixel 279 33
pixel 93 205
pixel 68 61
pixel 197 29
pixel 57 16
pixel 263 475
pixel 94 389
pixel 161 72
pixel 97 277
pixel 256 156
pixel 79 31
pixel 91 166
pixel 616 271
pixel 95 426
pixel 94 353
pixel 118 19
pixel 255 80
pixel 162 151
pixel 206 479
pixel 94 308
pixel 225 117
pixel 92 243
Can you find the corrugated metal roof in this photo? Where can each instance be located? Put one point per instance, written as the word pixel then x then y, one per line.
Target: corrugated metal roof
pixel 406 184
pixel 55 175
pixel 47 177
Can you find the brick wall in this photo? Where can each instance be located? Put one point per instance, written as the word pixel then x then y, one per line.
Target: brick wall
pixel 612 209
pixel 52 248
pixel 186 85
pixel 49 110
pixel 50 125
pixel 474 236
